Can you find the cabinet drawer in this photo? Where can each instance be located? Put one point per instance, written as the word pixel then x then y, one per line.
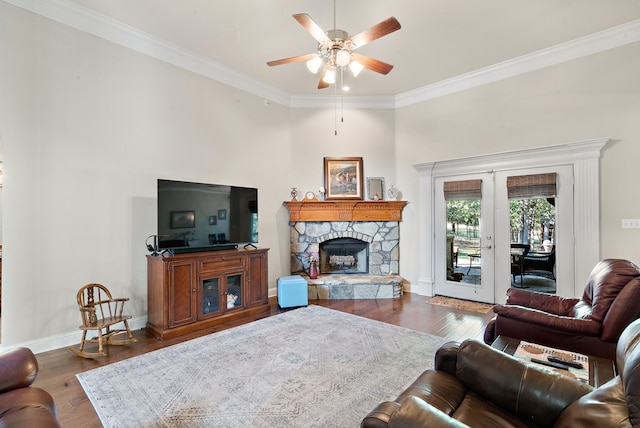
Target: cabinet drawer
pixel 222 261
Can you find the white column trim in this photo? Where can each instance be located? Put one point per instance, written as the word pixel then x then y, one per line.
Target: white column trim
pixel 425 285
pixel 586 195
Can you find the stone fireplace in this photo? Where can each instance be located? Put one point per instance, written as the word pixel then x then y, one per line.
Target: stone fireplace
pixel 357 243
pixel 381 238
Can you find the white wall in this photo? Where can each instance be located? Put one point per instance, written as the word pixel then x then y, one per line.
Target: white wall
pixel 596 96
pixel 364 133
pixel 87 128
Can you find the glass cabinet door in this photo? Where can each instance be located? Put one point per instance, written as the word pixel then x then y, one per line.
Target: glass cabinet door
pixel 210 295
pixel 234 290
pixel 221 293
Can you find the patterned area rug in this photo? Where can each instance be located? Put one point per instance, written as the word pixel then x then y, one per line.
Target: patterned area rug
pixel 309 367
pixel 465 305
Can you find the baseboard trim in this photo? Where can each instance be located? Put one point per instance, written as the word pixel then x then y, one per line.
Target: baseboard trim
pixel 64 340
pixel 422 288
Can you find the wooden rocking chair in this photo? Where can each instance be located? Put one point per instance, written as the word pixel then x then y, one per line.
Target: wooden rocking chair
pixel 99 312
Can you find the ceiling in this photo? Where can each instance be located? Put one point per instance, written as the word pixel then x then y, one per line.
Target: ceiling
pixel 439 39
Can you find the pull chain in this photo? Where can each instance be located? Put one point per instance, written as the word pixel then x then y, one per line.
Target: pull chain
pixel 342 96
pixel 335 110
pixel 335 86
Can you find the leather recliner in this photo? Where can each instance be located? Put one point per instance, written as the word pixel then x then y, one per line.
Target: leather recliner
pixel 22 405
pixel 475 385
pixel 590 325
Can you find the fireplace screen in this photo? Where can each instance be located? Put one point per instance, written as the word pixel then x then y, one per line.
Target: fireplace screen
pixel 344 255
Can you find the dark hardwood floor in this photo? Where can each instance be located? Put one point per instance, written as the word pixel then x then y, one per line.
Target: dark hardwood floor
pixel 59 367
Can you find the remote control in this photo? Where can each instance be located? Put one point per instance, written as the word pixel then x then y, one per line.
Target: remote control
pixel 550 364
pixel 566 362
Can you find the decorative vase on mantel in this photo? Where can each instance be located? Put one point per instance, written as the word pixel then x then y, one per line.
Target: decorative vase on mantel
pixel 313 270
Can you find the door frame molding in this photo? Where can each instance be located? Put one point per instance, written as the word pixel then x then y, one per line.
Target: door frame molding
pixel 583 156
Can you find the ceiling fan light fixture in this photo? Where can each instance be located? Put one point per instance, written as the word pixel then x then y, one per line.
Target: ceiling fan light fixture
pixel 335 49
pixel 343 57
pixel 314 64
pixel 329 76
pixel 355 68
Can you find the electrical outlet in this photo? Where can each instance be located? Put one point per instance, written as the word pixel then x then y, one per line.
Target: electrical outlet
pixel 630 223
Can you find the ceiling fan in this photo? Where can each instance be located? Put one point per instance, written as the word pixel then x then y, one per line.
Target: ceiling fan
pixel 335 49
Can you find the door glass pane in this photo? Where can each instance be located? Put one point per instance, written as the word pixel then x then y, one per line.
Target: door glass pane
pixel 532 227
pixel 463 260
pixel 234 291
pixel 210 295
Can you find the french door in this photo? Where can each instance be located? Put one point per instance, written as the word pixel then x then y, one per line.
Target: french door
pixel 464 242
pixel 473 233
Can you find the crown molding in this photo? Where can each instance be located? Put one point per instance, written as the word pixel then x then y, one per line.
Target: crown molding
pixel 83 19
pixel 598 42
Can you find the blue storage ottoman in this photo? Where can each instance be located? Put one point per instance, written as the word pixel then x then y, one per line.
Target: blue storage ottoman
pixel 292 291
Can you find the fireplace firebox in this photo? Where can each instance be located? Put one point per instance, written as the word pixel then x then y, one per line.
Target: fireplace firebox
pixel 344 256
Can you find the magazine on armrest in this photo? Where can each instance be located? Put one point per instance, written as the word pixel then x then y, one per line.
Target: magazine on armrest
pixel 526 351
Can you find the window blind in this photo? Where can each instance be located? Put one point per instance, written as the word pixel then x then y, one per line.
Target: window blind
pixel 466 189
pixel 529 186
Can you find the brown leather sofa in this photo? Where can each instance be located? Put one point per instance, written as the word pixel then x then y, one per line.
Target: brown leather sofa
pixel 475 385
pixel 590 325
pixel 22 405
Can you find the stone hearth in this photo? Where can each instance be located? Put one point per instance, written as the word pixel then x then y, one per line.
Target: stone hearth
pixel 355 287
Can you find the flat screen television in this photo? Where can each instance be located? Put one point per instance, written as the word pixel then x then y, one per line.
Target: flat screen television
pixel 201 216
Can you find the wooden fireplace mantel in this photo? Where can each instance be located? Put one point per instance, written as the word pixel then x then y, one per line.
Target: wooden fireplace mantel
pixel 345 210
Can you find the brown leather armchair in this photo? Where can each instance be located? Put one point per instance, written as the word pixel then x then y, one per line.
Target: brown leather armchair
pixel 590 325
pixel 22 405
pixel 475 385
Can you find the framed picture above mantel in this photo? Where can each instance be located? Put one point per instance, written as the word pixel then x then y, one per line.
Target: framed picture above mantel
pixel 343 178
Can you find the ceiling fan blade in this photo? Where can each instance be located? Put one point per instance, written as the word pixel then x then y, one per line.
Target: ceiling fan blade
pixel 292 59
pixel 381 29
pixel 322 84
pixel 373 64
pixel 311 27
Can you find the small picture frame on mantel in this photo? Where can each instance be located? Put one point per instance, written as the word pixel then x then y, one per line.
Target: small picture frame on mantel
pixel 375 188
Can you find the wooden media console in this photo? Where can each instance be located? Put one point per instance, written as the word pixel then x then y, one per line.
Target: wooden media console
pixel 194 291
